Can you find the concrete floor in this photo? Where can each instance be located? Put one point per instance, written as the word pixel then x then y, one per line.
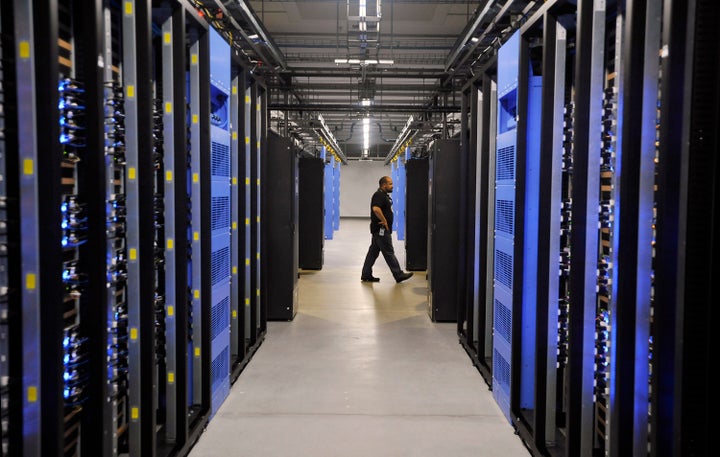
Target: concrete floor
pixel 360 371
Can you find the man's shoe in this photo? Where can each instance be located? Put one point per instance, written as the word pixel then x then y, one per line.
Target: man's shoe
pixel 370 279
pixel 403 277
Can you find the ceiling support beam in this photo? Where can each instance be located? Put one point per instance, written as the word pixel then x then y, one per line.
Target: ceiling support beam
pixel 371 109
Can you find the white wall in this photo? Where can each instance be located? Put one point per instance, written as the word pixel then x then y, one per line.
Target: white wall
pixel 358 181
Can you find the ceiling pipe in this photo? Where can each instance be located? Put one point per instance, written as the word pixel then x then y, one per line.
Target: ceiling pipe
pixel 468 33
pixel 249 16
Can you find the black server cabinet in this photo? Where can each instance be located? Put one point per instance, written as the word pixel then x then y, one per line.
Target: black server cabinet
pixel 416 214
pixel 443 217
pixel 280 227
pixel 311 212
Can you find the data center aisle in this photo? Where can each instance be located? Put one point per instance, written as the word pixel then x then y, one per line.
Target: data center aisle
pixel 360 371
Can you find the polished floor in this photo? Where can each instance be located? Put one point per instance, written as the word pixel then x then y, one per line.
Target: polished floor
pixel 360 371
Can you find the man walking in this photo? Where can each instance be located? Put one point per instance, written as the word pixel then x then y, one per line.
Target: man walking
pixel 381 219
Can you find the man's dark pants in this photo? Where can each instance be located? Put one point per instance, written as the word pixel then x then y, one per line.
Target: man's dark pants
pixel 381 243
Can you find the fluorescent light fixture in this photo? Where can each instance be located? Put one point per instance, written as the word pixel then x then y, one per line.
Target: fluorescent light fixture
pixel 363 26
pixel 365 102
pixel 365 61
pixel 363 8
pixel 474 39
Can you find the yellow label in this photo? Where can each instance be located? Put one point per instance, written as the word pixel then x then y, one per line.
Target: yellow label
pixel 247 261
pixel 170 310
pixel 134 413
pixel 130 91
pixel 196 294
pixel 247 99
pixel 257 255
pixel 234 225
pixel 234 314
pixel 196 236
pixel 195 118
pixel 234 181
pixel 30 281
pixel 168 107
pixel 128 8
pixel 133 333
pixel 247 181
pixel 197 352
pixel 247 302
pixel 234 136
pixel 257 292
pixel 247 140
pixel 133 254
pixel 28 167
pixel 170 243
pixel 196 177
pixel 167 36
pixel 171 377
pixel 24 49
pixel 247 221
pixel 234 270
pixel 258 144
pixel 234 90
pixel 168 176
pixel 32 394
pixel 194 59
pixel 131 173
pixel 257 182
pixel 258 219
pixel 257 107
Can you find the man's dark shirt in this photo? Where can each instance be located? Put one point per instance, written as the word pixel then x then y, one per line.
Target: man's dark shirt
pixel 384 202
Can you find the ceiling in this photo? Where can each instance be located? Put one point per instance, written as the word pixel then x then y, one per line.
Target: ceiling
pixel 330 64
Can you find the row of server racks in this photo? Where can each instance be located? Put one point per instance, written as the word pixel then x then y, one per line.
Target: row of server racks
pixel 587 211
pixel 131 250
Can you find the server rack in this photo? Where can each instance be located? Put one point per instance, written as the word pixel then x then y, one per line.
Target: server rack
pixel 220 226
pixel 281 197
pixel 399 181
pixel 238 348
pixel 259 268
pixel 251 319
pixel 311 171
pixel 687 215
pixel 171 64
pixel 10 321
pixel 599 206
pixel 506 212
pixel 107 196
pixel 542 407
pixel 330 192
pixel 475 329
pixel 443 219
pixel 416 214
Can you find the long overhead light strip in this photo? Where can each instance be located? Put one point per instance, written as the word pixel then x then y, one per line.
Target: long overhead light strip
pixel 328 139
pixel 366 61
pixel 403 140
